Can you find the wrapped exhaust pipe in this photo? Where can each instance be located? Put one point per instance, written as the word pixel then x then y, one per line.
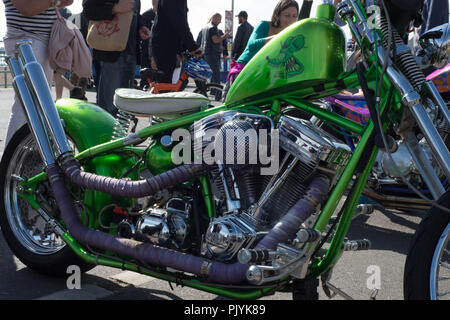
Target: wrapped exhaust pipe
pixel 213 271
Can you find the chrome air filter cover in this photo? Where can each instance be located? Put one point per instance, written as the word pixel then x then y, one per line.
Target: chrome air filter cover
pixel 312 145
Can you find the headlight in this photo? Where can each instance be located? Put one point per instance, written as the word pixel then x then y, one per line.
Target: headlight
pixel 436 43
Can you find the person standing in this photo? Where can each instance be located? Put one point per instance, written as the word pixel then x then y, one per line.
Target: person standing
pixel 243 34
pixel 148 19
pixel 212 42
pixel 285 13
pixel 118 68
pixel 171 35
pixel 29 20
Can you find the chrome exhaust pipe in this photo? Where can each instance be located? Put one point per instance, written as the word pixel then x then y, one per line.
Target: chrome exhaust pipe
pixel 33 115
pixel 44 101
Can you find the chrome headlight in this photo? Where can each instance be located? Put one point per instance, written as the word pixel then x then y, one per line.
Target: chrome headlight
pixel 436 43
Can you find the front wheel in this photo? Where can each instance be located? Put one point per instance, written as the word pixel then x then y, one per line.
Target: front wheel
pixel 28 236
pixel 427 267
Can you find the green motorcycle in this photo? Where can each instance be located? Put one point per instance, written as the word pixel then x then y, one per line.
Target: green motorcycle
pixel 241 217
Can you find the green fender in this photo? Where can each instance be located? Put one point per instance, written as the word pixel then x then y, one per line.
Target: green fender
pixel 87 124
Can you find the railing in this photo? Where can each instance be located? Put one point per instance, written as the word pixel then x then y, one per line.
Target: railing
pixel 5 75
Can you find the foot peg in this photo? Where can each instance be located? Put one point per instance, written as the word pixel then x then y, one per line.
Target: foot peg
pixel 357 245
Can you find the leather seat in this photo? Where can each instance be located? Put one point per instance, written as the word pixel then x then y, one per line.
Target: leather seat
pixel 166 105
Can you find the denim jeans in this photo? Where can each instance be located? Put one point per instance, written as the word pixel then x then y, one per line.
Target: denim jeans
pixel 115 75
pixel 214 63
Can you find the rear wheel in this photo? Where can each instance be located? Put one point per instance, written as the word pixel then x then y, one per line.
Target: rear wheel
pixel 29 237
pixel 427 268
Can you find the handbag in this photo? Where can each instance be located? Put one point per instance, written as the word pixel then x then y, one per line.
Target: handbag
pixel 110 35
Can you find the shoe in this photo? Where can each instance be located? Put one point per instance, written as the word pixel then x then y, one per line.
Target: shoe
pixel 77 93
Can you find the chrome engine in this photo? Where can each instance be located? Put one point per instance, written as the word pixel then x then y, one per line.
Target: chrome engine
pixel 306 151
pixel 167 227
pixel 386 171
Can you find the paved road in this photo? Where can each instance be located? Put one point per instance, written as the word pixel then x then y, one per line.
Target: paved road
pixel 390 234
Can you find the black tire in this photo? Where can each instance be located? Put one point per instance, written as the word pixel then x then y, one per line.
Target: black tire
pixel 45 262
pixel 416 281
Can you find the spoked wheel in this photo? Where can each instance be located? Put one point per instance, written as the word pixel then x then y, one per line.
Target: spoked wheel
pixel 427 268
pixel 29 237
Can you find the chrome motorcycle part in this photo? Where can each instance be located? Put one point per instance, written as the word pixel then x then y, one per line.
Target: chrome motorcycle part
pixel 39 86
pixel 313 146
pixel 273 185
pixel 424 165
pixel 165 227
pixel 246 256
pixel 31 112
pixel 229 187
pixel 229 234
pixel 307 150
pixel 205 131
pixel 357 245
pixel 153 227
pixel 437 98
pixel 179 214
pixel 122 126
pixel 289 261
pixel 126 229
pixel 436 44
pixel 308 235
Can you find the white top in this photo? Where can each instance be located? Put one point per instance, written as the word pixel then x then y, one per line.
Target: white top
pixel 39 25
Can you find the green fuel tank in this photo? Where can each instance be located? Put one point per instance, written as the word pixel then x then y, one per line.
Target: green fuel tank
pixel 309 53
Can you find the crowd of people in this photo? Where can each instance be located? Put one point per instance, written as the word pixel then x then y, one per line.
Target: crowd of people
pixel 156 39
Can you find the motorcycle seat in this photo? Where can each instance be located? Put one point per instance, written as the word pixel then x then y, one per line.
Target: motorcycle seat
pixel 166 106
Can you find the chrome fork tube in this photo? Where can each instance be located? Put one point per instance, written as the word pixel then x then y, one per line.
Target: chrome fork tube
pixel 437 98
pixel 411 98
pixel 32 114
pixel 44 102
pixel 424 165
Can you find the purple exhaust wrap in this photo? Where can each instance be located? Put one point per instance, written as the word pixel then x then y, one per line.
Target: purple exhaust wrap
pixel 130 189
pixel 213 271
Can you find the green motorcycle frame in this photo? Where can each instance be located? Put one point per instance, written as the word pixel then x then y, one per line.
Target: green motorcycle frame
pixel 303 63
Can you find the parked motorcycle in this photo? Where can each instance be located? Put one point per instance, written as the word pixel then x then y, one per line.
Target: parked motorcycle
pixel 74 195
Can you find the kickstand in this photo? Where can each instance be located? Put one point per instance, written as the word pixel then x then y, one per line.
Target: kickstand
pixel 373 295
pixel 330 290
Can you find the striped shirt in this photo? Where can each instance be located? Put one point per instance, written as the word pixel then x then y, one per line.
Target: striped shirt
pixel 39 25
